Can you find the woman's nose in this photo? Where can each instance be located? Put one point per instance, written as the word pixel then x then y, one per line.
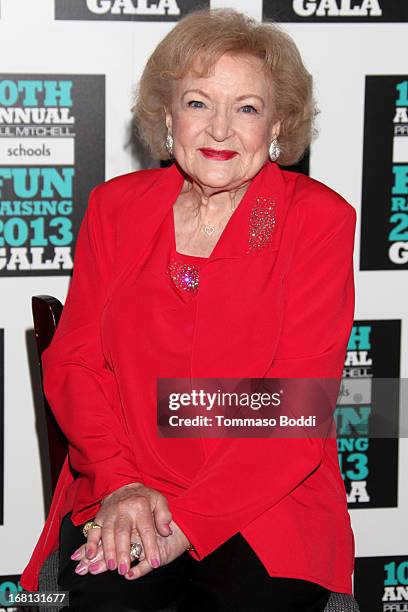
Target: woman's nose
pixel 220 126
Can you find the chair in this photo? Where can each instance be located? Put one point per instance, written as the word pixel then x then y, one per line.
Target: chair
pixel 46 314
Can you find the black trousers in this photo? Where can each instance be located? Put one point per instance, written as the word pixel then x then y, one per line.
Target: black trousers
pixel 231 579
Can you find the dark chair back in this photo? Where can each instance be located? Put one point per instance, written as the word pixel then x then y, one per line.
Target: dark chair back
pixel 46 314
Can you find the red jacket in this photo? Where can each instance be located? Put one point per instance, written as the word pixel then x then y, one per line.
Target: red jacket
pixel 285 311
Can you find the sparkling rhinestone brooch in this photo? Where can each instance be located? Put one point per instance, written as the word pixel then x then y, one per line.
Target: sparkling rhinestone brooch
pixel 262 223
pixel 185 276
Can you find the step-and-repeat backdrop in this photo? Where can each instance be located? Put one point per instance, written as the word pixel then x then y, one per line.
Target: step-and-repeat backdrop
pixel 69 69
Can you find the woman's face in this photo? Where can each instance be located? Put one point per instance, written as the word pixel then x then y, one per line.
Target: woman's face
pixel 222 125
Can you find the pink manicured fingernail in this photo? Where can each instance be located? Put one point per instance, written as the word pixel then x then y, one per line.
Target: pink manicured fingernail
pixel 80 568
pixel 75 555
pixel 155 563
pixel 130 573
pixel 122 569
pixel 88 552
pixel 111 564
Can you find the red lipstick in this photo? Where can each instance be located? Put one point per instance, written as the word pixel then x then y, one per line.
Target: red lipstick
pixel 218 154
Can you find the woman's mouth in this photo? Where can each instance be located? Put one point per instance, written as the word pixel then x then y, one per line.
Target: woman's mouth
pixel 218 154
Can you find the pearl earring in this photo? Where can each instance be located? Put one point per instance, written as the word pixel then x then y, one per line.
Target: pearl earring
pixel 274 150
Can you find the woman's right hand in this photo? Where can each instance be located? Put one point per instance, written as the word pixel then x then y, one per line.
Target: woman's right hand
pixel 170 549
pixel 132 513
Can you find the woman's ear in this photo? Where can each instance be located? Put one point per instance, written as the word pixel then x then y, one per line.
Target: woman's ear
pixel 168 119
pixel 275 131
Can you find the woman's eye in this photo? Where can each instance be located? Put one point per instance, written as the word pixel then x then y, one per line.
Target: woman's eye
pixel 248 108
pixel 195 104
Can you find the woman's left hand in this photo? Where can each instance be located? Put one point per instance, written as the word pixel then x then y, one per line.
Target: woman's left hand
pixel 170 547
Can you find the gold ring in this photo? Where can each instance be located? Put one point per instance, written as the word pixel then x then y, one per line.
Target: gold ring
pixel 96 524
pixel 90 525
pixel 135 550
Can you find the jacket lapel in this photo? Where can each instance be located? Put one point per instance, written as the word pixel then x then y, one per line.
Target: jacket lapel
pixel 267 187
pixel 144 210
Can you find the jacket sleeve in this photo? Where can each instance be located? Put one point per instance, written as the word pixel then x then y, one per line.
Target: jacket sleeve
pixel 79 387
pixel 242 478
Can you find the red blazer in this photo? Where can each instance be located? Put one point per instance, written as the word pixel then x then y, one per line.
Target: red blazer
pixel 285 311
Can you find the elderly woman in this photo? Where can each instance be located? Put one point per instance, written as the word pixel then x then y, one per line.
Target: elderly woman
pixel 221 265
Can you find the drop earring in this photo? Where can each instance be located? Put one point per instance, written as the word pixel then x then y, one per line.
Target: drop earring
pixel 169 144
pixel 274 150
